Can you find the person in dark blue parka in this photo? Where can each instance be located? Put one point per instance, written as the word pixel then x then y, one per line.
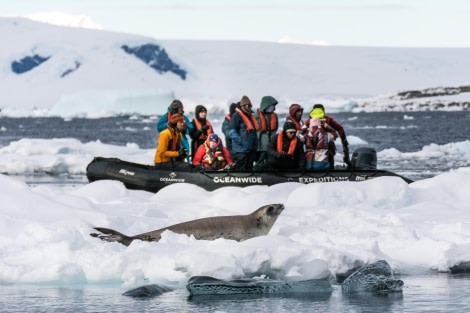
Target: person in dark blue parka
pixel 243 127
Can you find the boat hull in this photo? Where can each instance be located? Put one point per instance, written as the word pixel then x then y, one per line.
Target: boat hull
pixel 152 178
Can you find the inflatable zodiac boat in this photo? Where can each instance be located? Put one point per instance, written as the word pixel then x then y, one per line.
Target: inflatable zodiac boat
pixel 153 178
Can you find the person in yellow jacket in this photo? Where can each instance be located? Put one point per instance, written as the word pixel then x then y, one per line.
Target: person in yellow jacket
pixel 170 151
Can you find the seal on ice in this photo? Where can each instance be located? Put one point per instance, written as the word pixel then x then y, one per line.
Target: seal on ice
pixel 235 227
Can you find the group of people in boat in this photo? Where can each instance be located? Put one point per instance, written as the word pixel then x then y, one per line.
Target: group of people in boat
pixel 252 139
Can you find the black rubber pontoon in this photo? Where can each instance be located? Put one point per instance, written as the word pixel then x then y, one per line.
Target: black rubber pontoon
pixel 153 178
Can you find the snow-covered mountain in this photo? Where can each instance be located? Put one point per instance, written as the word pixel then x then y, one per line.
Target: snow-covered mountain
pixel 53 70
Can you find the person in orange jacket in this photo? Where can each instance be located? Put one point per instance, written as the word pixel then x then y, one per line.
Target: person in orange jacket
pixel 170 151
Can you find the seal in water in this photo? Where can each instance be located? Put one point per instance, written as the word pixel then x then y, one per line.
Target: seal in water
pixel 375 277
pixel 207 285
pixel 235 227
pixel 147 291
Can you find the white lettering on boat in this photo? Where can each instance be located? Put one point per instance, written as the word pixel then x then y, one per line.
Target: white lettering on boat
pixel 243 180
pixel 325 179
pixel 126 172
pixel 172 180
pixel 331 179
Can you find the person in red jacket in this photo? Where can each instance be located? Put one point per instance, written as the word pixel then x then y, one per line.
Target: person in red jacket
pixel 316 143
pixel 318 111
pixel 212 155
pixel 295 116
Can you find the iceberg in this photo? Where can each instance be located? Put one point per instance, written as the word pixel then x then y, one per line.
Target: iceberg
pixel 110 102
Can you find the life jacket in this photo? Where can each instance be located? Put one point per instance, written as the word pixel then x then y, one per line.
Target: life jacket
pixel 272 119
pixel 250 122
pixel 228 117
pixel 214 159
pixel 280 142
pixel 199 126
pixel 175 142
pixel 298 124
pixel 322 138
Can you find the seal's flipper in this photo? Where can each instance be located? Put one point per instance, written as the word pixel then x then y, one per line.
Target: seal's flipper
pixel 112 235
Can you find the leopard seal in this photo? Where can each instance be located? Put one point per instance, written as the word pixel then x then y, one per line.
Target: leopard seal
pixel 376 278
pixel 235 227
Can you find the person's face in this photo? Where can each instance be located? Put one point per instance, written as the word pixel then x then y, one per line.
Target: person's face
pixel 290 134
pixel 247 107
pixel 298 114
pixel 181 125
pixel 212 144
pixel 180 110
pixel 202 114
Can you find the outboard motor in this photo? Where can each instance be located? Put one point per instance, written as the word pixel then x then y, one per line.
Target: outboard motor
pixel 364 159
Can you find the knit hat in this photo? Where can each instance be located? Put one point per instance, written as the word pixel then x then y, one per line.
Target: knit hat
pixel 175 118
pixel 214 137
pixel 176 104
pixel 245 100
pixel 317 112
pixel 289 127
pixel 199 108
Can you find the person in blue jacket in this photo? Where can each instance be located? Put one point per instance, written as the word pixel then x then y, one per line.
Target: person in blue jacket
pixel 176 107
pixel 242 131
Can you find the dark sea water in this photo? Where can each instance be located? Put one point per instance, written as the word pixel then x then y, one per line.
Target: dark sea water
pixel 422 293
pixel 406 132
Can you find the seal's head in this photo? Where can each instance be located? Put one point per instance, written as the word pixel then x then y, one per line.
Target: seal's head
pixel 266 216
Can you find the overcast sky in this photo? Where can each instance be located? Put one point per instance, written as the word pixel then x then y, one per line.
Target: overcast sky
pixel 391 23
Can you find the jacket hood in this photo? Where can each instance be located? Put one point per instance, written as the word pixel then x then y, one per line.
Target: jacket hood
pixel 294 108
pixel 267 101
pixel 197 110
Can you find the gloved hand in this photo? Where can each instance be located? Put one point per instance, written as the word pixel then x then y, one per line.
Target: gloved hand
pixel 182 152
pixel 228 167
pixel 285 156
pixel 204 129
pixel 346 158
